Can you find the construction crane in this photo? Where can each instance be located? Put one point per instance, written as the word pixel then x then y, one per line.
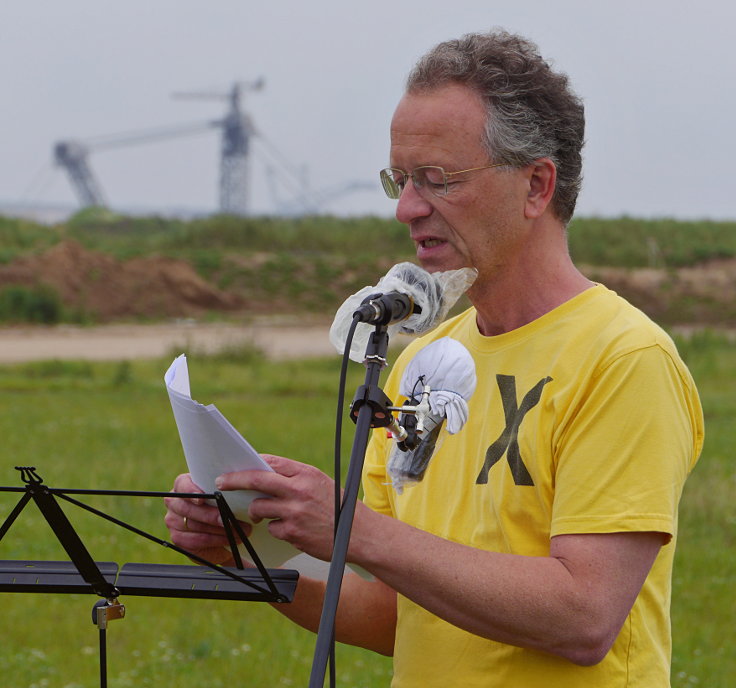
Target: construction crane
pixel 236 130
pixel 237 135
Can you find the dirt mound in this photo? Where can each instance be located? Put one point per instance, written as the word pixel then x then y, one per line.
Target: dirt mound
pixel 106 288
pixel 702 294
pixel 155 287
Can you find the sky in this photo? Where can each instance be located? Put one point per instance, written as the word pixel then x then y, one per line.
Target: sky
pixel 657 78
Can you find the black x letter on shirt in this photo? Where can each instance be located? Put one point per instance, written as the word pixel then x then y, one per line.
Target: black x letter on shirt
pixel 508 441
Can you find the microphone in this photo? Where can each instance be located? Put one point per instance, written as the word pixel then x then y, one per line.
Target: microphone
pixel 417 300
pixel 437 382
pixel 384 309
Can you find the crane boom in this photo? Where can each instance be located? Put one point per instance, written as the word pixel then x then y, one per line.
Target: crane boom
pixel 132 138
pixel 73 155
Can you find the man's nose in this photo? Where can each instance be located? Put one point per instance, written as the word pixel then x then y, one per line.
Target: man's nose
pixel 412 205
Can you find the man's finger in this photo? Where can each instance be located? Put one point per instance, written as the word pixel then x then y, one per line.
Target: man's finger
pixel 282 465
pixel 269 482
pixel 178 509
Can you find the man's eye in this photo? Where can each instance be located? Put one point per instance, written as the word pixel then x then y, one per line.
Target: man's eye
pixel 434 177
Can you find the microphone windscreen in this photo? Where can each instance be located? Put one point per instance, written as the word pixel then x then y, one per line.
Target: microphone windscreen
pixel 445 365
pixel 435 293
pixel 448 369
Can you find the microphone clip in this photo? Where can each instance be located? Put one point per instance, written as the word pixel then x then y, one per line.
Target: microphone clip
pixel 408 429
pixel 411 421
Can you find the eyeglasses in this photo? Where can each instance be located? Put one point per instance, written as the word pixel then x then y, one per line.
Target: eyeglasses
pixel 431 178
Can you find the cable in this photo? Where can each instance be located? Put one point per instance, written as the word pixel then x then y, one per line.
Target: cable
pixel 129 138
pixel 338 460
pixel 39 184
pixel 339 415
pixel 287 176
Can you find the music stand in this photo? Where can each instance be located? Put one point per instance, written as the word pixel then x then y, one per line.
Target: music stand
pixel 82 574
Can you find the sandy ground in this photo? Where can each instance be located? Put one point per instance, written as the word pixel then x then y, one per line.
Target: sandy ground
pixel 279 340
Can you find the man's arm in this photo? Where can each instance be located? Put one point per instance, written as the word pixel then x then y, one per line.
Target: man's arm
pixel 571 603
pixel 366 613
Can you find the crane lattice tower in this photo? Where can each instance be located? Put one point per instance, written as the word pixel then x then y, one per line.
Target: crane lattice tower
pixel 234 166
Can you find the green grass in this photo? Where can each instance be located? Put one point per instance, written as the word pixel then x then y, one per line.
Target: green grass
pixel 704 581
pixel 207 242
pixel 109 425
pixel 88 425
pixel 35 305
pixel 630 242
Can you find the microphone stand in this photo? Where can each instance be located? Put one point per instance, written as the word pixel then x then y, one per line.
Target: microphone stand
pixel 369 410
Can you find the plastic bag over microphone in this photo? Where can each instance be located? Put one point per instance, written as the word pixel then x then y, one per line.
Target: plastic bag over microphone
pixel 447 370
pixel 435 293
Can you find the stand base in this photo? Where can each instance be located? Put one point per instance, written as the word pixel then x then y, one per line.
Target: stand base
pixel 148 580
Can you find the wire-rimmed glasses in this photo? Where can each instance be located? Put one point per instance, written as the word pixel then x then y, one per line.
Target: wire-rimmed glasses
pixel 432 178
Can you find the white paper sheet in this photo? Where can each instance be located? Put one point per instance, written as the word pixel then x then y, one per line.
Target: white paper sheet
pixel 212 446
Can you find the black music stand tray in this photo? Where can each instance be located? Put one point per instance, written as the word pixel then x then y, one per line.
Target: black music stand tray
pixel 82 574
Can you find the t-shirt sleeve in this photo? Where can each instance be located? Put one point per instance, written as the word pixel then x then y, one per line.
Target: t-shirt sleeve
pixel 623 459
pixel 376 483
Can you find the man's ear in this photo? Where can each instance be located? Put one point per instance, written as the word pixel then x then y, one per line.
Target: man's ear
pixel 542 175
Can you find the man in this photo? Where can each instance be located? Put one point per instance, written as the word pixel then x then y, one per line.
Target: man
pixel 538 548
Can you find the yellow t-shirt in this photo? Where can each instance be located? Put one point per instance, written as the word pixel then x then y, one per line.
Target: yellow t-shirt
pixel 583 421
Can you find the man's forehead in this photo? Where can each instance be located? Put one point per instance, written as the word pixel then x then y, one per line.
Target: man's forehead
pixel 450 119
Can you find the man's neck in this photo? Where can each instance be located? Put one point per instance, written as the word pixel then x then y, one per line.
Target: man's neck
pixel 518 294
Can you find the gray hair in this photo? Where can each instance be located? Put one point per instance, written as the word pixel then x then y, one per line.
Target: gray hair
pixel 532 111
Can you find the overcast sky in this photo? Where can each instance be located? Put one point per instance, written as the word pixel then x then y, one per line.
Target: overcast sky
pixel 657 78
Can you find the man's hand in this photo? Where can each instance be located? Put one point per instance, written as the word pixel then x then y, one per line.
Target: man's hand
pixel 300 507
pixel 196 526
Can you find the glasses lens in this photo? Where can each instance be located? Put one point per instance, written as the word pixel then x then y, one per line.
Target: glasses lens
pixel 431 178
pixel 393 181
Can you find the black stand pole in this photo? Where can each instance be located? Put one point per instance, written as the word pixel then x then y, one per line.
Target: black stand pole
pixel 369 410
pixel 102 612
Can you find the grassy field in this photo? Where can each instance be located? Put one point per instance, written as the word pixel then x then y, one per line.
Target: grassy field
pixel 110 426
pixel 704 582
pixel 622 242
pixel 325 257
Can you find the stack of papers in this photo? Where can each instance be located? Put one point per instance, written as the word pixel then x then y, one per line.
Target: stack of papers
pixel 212 446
